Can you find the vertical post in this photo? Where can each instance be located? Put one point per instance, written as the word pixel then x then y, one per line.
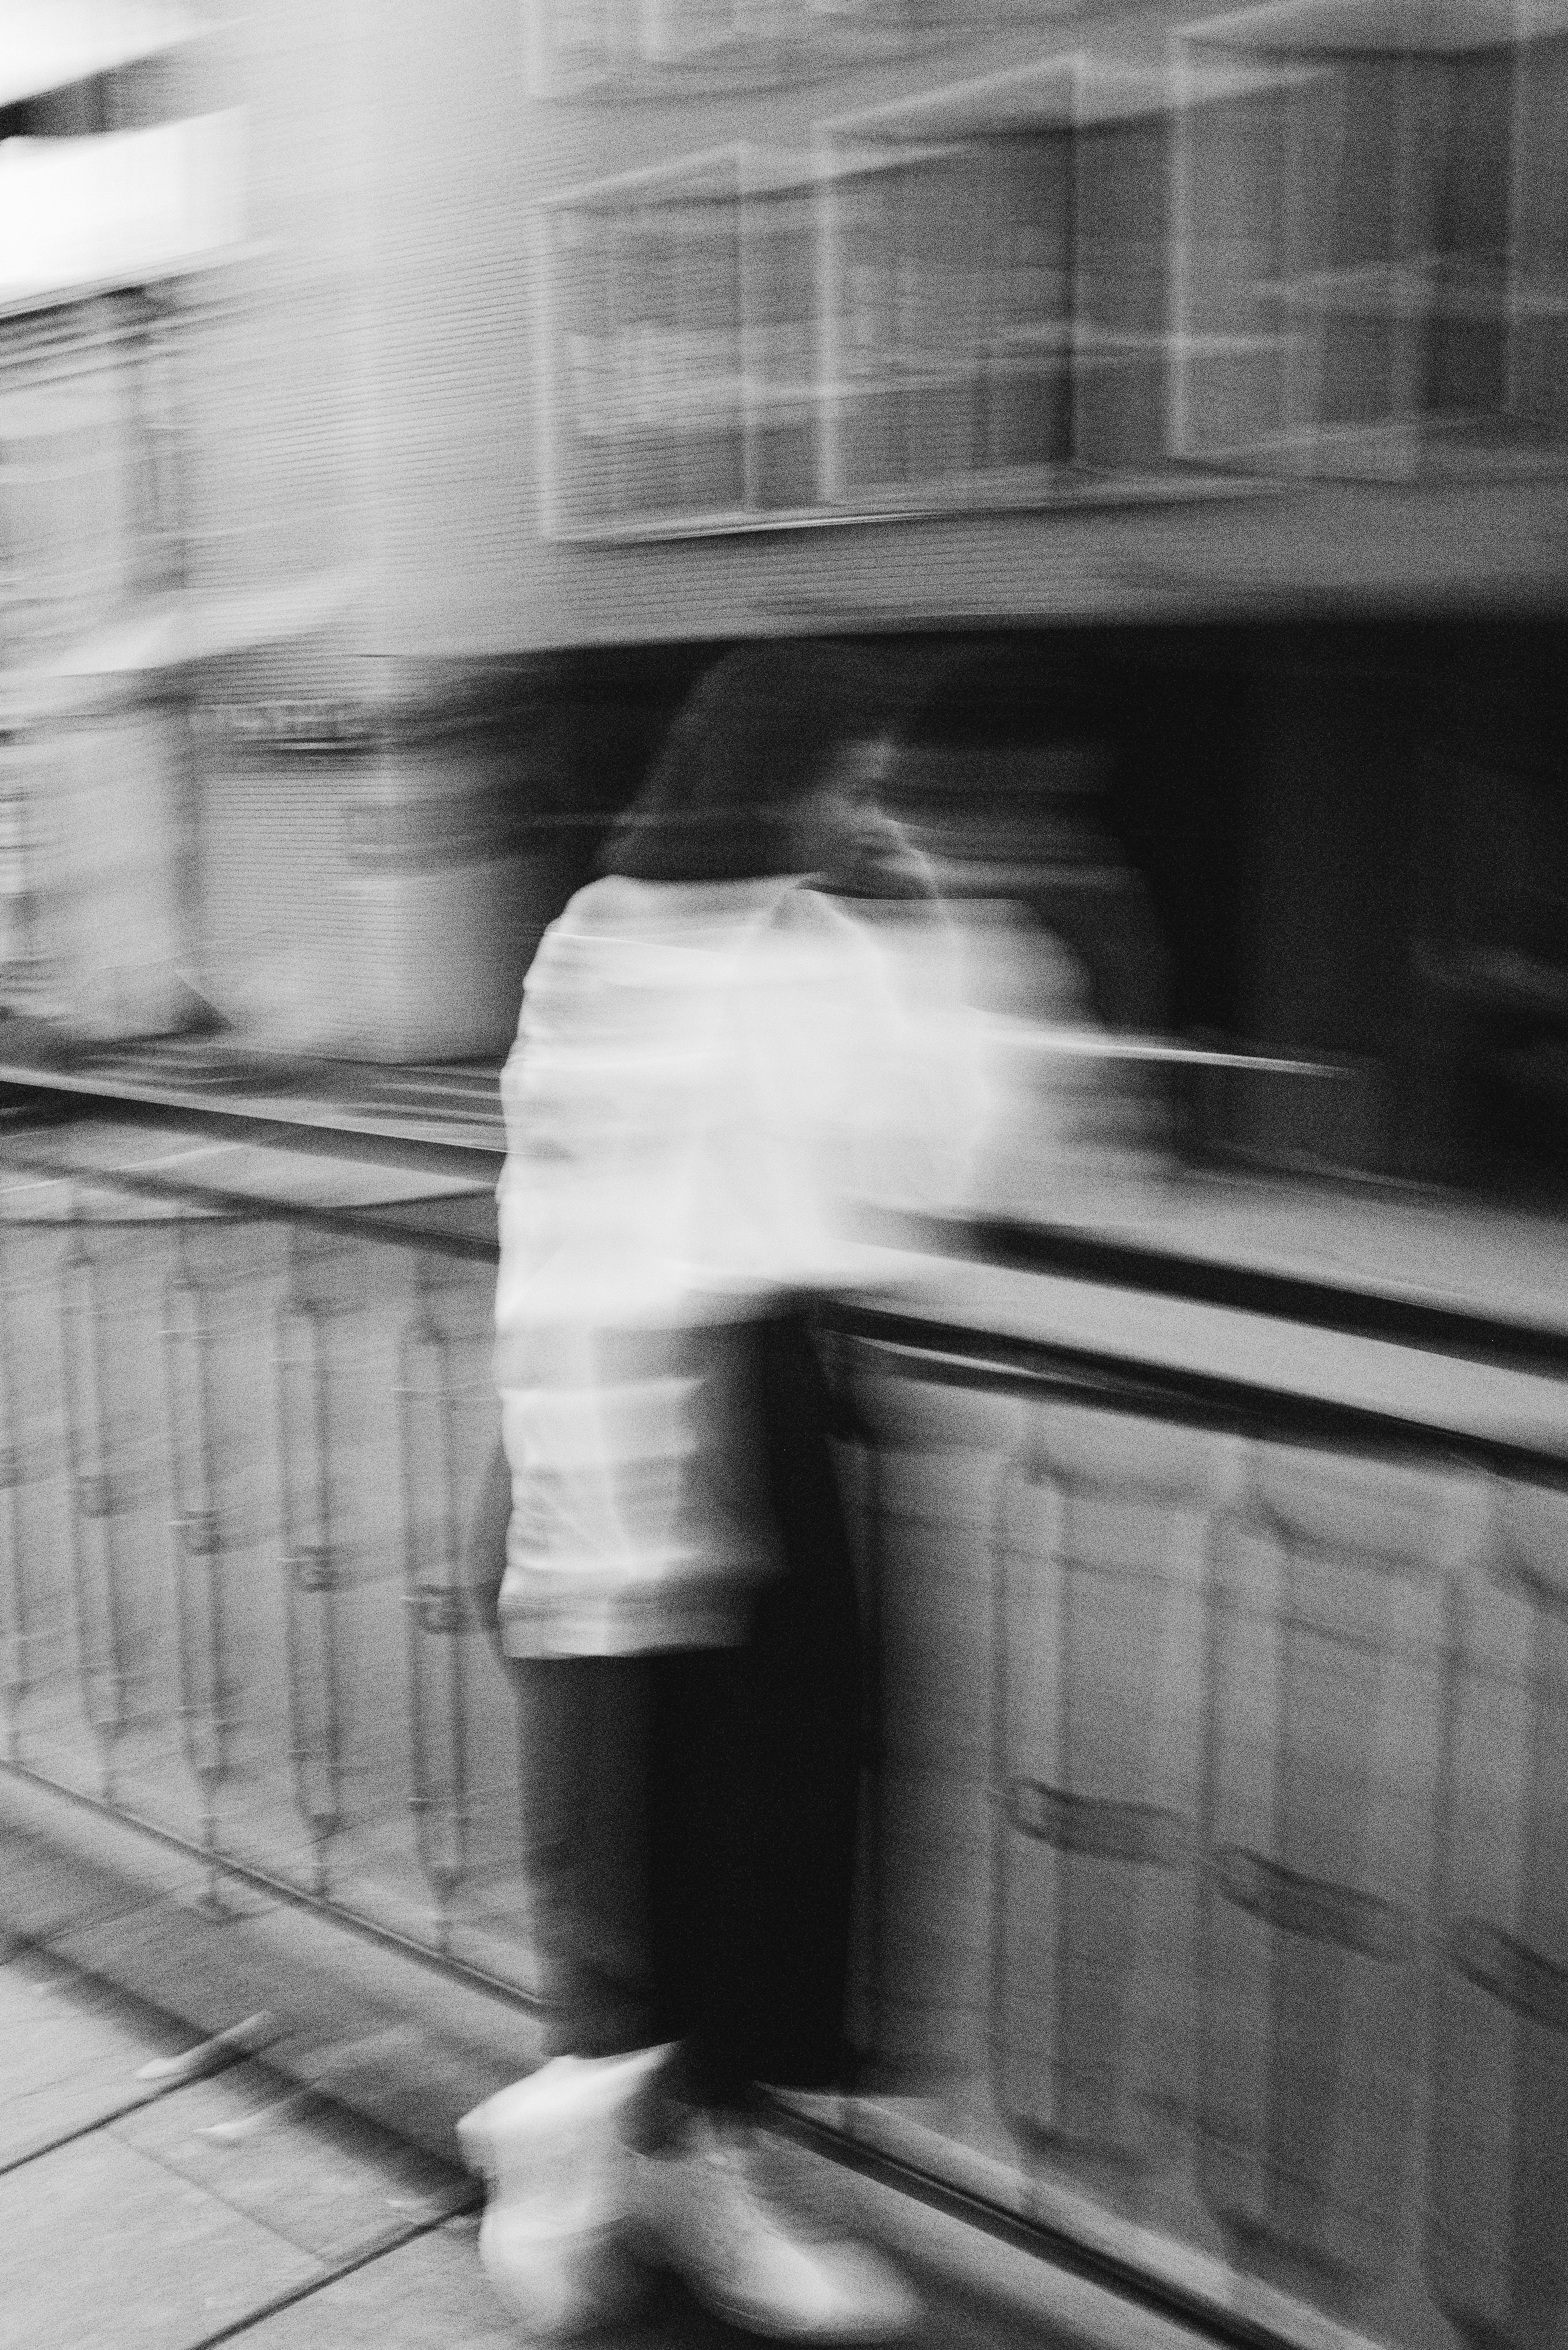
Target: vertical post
pixel 437 1609
pixel 101 1660
pixel 196 1528
pixel 1497 2158
pixel 311 1570
pixel 17 1631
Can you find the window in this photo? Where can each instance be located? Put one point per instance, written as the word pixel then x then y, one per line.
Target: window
pixel 1374 235
pixel 667 48
pixel 998 288
pixel 1538 275
pixel 949 293
pixel 955 303
pixel 685 348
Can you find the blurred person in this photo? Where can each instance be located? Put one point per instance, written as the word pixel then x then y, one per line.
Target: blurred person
pixel 724 1043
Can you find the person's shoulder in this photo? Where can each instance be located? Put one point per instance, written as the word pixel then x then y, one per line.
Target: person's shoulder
pixel 807 913
pixel 610 902
pixel 578 950
pixel 605 916
pixel 617 906
pixel 817 938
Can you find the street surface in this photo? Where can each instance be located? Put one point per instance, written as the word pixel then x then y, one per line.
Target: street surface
pixel 175 2214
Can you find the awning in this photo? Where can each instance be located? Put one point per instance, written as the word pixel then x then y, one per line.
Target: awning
pixel 119 207
pixel 48 44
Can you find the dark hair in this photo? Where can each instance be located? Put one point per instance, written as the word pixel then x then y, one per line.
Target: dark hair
pixel 727 798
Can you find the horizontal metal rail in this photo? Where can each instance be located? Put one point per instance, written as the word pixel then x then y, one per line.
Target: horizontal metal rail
pixel 1350 1309
pixel 444 1145
pixel 436 1141
pixel 956 1355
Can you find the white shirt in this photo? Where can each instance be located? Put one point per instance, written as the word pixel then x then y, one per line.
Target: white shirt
pixel 707 1079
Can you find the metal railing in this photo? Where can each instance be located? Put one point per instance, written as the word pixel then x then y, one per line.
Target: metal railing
pixel 1215 1878
pixel 240 1454
pixel 1213 1904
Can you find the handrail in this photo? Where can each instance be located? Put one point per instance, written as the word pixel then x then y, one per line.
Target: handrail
pixel 472 1147
pixel 1106 1381
pixel 1156 1270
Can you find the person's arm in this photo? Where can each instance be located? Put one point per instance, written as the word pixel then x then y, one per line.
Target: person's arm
pixel 873 1063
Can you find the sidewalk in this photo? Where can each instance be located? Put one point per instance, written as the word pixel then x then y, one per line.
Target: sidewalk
pixel 174 2213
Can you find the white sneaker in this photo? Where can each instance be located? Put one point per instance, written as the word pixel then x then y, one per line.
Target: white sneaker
pixel 553 2239
pixel 695 2209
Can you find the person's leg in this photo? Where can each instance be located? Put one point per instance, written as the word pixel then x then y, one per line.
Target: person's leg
pixel 754 1773
pixel 751 1859
pixel 582 1733
pixel 753 1760
pixel 582 1725
pixel 805 1699
pixel 701 1797
pixel 718 1787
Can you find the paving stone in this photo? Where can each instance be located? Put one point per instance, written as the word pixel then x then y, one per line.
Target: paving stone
pixel 327 2180
pixel 70 2050
pixel 412 2050
pixel 103 2249
pixel 35 1981
pixel 434 2291
pixel 148 2235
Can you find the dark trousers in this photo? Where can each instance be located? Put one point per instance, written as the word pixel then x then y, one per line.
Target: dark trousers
pixel 691 1816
